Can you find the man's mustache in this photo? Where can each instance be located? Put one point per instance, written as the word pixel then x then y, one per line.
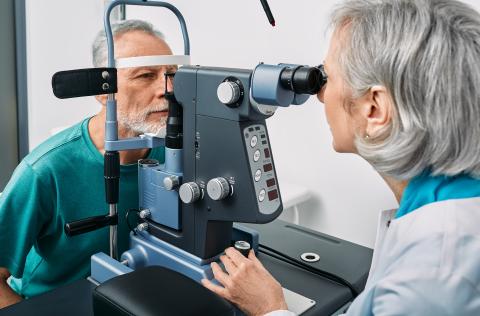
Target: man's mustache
pixel 157 108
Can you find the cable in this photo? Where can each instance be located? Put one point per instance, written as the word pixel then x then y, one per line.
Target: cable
pixel 130 228
pixel 299 264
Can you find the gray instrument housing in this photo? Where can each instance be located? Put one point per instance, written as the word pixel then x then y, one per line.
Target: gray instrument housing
pixel 214 145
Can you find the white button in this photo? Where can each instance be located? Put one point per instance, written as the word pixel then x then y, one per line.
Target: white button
pixel 253 141
pixel 258 174
pixel 261 195
pixel 256 155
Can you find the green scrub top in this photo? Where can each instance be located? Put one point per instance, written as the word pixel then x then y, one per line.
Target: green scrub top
pixel 58 182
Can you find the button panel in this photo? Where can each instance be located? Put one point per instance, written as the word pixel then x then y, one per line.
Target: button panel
pixel 253 141
pixel 256 155
pixel 262 168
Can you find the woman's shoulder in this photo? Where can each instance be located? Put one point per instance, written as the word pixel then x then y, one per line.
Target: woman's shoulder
pixel 439 240
pixel 455 217
pixel 425 292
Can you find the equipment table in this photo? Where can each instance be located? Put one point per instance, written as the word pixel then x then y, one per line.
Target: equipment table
pixel 349 261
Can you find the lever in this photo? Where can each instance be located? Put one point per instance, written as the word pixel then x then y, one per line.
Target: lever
pixel 89 224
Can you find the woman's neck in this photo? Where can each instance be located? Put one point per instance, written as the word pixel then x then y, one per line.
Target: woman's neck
pixel 397 186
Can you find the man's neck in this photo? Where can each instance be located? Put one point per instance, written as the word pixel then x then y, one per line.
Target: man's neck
pixel 96 129
pixel 397 186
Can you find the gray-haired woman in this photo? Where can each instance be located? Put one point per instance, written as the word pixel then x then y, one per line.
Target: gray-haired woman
pixel 403 92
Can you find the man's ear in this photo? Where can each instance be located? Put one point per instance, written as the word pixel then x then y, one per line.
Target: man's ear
pixel 102 98
pixel 377 110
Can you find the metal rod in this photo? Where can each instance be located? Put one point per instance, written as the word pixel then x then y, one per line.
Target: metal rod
pixel 113 233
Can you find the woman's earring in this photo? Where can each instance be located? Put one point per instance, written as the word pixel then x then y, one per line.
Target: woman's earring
pixel 367 137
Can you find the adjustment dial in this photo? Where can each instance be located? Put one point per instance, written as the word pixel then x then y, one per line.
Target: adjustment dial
pixel 171 182
pixel 228 92
pixel 189 192
pixel 218 189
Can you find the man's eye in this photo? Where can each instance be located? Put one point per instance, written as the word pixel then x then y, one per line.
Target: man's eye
pixel 146 75
pixel 172 69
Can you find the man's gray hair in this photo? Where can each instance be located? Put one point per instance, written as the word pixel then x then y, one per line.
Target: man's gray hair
pixel 99 46
pixel 426 53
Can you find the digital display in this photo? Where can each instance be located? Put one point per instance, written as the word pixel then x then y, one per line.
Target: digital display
pixel 272 195
pixel 266 151
pixel 268 167
pixel 270 182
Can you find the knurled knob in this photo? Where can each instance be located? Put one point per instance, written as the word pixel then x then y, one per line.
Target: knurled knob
pixel 228 92
pixel 189 192
pixel 243 247
pixel 218 188
pixel 170 182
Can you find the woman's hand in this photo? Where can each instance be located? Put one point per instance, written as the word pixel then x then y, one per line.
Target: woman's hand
pixel 247 284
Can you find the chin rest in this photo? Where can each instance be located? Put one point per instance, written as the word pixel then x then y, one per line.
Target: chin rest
pixel 157 291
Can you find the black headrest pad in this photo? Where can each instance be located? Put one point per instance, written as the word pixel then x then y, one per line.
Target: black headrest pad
pixel 157 291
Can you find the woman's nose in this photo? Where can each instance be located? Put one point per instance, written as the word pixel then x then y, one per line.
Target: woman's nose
pixel 320 94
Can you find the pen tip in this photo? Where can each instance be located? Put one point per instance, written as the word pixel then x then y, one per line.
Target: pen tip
pixel 273 23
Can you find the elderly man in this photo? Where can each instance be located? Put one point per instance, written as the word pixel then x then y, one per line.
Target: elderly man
pixel 62 179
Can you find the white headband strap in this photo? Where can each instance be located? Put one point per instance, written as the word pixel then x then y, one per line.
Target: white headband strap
pixel 143 61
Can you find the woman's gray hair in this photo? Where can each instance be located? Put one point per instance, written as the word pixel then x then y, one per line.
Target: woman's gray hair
pixel 99 46
pixel 426 53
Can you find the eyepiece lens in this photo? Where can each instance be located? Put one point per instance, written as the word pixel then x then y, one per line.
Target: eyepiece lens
pixel 303 80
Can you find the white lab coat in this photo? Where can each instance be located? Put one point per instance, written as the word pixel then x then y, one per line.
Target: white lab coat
pixel 426 262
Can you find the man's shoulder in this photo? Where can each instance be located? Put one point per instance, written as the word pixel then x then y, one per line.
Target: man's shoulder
pixel 60 144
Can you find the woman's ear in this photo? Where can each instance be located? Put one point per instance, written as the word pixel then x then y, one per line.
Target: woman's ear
pixel 376 110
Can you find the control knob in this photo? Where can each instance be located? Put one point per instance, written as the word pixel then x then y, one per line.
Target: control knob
pixel 170 182
pixel 218 189
pixel 228 92
pixel 189 192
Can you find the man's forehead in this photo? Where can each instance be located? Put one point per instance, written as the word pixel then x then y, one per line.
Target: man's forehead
pixel 137 49
pixel 138 43
pixel 156 68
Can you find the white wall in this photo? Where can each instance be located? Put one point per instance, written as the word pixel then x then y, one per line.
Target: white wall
pixel 59 34
pixel 347 193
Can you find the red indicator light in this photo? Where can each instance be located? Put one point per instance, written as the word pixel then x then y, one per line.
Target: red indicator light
pixel 272 195
pixel 267 153
pixel 270 182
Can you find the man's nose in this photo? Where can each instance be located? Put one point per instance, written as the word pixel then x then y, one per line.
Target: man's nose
pixel 169 83
pixel 161 86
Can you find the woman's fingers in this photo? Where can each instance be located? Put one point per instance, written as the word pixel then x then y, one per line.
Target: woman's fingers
pixel 235 256
pixel 253 257
pixel 221 276
pixel 229 264
pixel 221 291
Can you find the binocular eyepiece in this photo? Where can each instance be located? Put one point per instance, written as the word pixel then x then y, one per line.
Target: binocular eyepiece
pixel 303 79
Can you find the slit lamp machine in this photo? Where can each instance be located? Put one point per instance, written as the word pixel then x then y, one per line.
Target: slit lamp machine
pixel 218 170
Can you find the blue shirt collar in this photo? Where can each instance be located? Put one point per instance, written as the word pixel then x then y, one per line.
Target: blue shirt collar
pixel 425 188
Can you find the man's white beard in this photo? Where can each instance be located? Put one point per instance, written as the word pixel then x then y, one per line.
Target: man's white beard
pixel 136 123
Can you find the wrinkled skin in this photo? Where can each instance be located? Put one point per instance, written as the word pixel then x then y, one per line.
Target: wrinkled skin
pixel 247 284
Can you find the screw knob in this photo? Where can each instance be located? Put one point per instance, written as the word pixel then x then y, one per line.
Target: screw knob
pixel 170 182
pixel 228 92
pixel 218 188
pixel 189 192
